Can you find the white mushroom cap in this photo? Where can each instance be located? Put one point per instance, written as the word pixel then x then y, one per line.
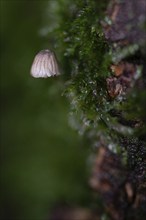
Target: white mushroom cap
pixel 45 65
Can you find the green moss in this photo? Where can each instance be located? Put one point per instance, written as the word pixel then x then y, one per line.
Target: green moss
pixel 86 63
pixel 86 58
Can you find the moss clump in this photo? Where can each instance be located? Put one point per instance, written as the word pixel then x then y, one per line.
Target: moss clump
pixel 86 65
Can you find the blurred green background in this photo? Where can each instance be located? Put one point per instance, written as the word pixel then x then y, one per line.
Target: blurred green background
pixel 42 159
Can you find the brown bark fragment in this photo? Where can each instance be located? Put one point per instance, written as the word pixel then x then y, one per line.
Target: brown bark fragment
pixel 127 21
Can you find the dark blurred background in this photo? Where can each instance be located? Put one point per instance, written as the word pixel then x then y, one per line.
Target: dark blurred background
pixel 43 161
